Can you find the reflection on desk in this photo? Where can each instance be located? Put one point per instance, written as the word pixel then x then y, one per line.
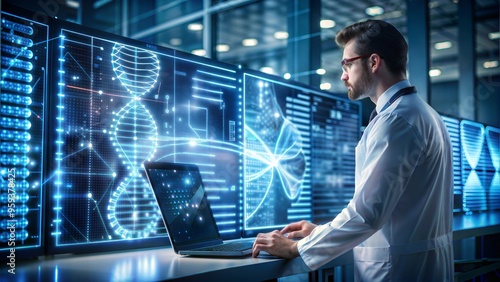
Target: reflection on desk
pixel 160 265
pixel 475 225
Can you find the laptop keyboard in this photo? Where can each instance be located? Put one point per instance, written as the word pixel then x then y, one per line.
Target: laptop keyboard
pixel 234 246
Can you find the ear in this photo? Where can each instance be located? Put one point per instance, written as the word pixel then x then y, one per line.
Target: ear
pixel 375 62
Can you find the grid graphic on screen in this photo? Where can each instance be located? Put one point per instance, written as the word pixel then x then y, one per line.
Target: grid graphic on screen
pixel 492 135
pixel 120 105
pixel 453 127
pixel 22 98
pixel 335 135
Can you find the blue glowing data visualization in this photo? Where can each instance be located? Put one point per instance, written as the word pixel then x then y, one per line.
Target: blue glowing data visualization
pixel 291 133
pixel 277 176
pixel 492 135
pixel 334 137
pixel 120 104
pixel 479 166
pixel 23 88
pixel 453 127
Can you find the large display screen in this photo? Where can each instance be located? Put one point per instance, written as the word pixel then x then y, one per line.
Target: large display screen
pixel 453 127
pixel 492 136
pixel 476 165
pixel 480 164
pixel 121 103
pixel 24 69
pixel 299 153
pixel 335 134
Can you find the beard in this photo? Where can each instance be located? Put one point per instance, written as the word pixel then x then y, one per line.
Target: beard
pixel 363 86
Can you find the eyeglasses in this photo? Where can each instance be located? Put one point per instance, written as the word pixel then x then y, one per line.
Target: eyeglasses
pixel 348 62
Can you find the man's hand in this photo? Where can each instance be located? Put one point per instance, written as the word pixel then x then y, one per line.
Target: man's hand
pixel 299 229
pixel 275 244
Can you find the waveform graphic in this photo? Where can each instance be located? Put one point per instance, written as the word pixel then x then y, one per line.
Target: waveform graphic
pixel 472 141
pixel 274 155
pixel 493 140
pixel 285 159
pixel 472 137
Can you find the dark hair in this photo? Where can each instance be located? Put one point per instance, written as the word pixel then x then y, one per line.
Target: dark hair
pixel 376 36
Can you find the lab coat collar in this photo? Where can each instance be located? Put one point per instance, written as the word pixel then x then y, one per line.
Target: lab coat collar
pixel 386 96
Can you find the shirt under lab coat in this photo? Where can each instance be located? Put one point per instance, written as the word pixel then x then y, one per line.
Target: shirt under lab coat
pixel 399 222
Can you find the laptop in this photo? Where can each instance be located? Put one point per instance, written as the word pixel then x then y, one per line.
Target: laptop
pixel 191 226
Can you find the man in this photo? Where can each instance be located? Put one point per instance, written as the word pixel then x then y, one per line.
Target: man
pixel 399 221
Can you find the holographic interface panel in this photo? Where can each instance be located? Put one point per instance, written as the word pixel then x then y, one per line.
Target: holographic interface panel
pixel 480 166
pixel 120 105
pixel 291 131
pixel 453 127
pixel 23 90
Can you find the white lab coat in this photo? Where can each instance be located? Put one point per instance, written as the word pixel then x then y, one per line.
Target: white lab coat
pixel 399 222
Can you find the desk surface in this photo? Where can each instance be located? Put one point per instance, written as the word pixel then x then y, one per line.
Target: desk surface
pixel 476 225
pixel 161 264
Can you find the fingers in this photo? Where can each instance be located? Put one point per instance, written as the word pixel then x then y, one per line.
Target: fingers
pixel 259 247
pixel 255 251
pixel 260 244
pixel 290 227
pixel 255 248
pixel 296 230
pixel 294 234
pixel 275 244
pixel 285 230
pixel 265 242
pixel 299 229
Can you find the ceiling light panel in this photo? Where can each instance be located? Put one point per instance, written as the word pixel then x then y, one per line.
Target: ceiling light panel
pixel 249 42
pixel 443 45
pixel 374 11
pixel 195 26
pixel 327 23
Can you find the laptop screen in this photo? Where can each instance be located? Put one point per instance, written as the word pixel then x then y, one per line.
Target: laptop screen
pixel 180 194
